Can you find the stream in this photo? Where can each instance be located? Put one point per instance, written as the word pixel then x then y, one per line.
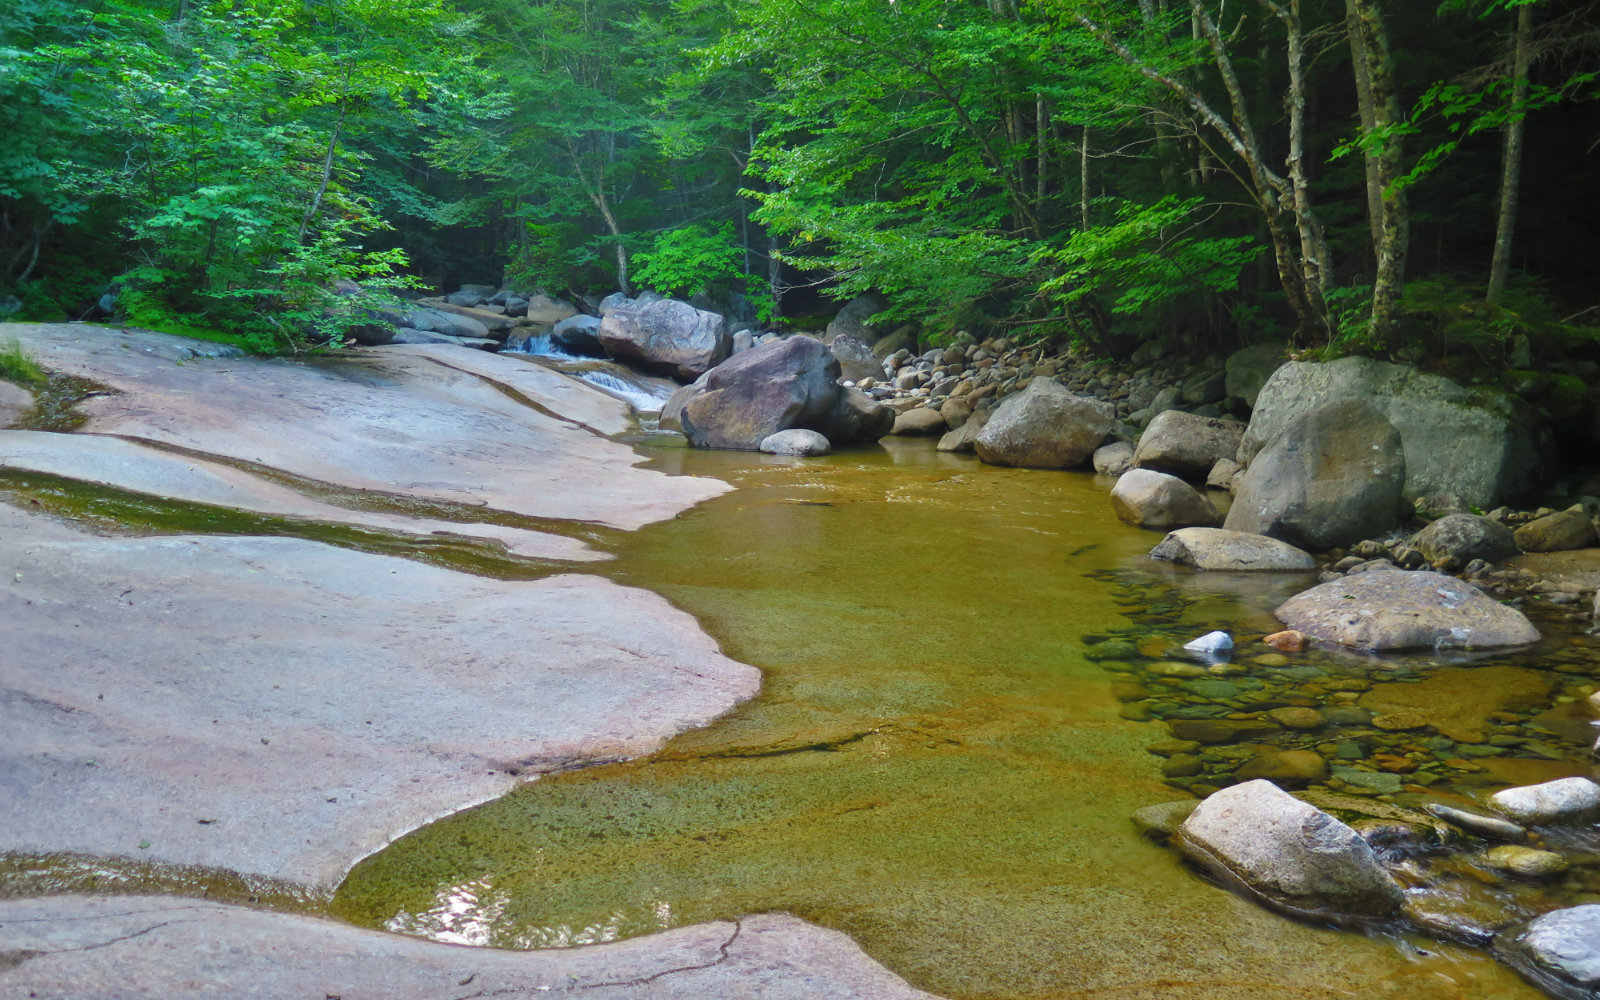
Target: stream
pixel 935 765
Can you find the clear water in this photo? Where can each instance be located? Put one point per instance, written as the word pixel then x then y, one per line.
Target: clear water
pixel 933 766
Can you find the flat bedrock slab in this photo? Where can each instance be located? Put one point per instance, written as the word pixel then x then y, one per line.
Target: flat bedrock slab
pixel 157 948
pixel 128 465
pixel 14 402
pixel 1400 610
pixel 312 702
pixel 395 421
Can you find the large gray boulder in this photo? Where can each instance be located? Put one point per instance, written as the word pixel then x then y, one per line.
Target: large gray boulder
pixel 781 384
pixel 666 336
pixel 1294 857
pixel 1185 445
pixel 1220 549
pixel 1151 499
pixel 1331 477
pixel 1398 610
pixel 1456 539
pixel 578 334
pixel 1044 426
pixel 1480 445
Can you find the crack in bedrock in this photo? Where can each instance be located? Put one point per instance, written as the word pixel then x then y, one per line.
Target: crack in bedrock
pixel 722 956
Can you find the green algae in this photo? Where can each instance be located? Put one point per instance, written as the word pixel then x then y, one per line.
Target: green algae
pixel 933 766
pixel 36 874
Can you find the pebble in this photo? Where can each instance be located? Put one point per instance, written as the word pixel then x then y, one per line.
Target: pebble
pixel 1527 862
pixel 1297 718
pixel 1399 721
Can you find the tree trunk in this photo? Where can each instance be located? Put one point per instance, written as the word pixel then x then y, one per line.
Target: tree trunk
pixel 1388 283
pixel 1083 177
pixel 1511 159
pixel 1358 60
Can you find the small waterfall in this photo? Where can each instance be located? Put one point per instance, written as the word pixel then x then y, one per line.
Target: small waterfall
pixel 644 398
pixel 542 345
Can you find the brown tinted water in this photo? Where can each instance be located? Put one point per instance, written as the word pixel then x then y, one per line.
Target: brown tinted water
pixel 933 766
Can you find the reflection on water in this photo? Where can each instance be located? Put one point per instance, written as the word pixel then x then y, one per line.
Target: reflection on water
pixel 934 766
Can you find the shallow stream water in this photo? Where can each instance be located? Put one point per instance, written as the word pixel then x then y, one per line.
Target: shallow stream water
pixel 934 765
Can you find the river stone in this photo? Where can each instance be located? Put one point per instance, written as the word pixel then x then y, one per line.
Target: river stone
pixel 579 334
pixel 14 402
pixel 1381 782
pixel 1221 549
pixel 1559 951
pixel 1113 459
pixel 1215 731
pixel 1565 800
pixel 1472 919
pixel 1558 532
pixel 854 320
pixel 1287 768
pixel 277 684
pixel 1248 369
pixel 1481 445
pixel 1293 856
pixel 1185 445
pixel 667 336
pixel 189 949
pixel 1401 610
pixel 1399 722
pixel 1524 862
pixel 1458 701
pixel 920 422
pixel 1492 827
pixel 1181 765
pixel 782 384
pixel 1150 499
pixel 795 441
pixel 1294 717
pixel 1044 426
pixel 854 418
pixel 1331 477
pixel 1456 539
pixel 1162 820
pixel 856 360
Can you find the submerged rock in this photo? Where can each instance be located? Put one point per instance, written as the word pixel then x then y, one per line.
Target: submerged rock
pixel 1403 610
pixel 1162 820
pixel 1221 549
pixel 1156 500
pixel 1292 856
pixel 1565 800
pixel 1523 862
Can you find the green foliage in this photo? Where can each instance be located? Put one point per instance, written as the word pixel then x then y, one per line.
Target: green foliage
pixel 1151 255
pixel 17 366
pixel 689 260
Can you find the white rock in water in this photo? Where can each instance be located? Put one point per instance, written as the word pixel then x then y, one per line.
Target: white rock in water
pixel 1218 645
pixel 1565 800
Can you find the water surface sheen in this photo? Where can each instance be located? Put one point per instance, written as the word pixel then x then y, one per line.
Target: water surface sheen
pixel 932 767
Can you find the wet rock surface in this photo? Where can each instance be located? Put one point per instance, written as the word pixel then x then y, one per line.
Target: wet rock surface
pixel 1237 551
pixel 157 948
pixel 1400 610
pixel 1150 499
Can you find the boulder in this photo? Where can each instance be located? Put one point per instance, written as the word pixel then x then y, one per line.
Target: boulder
pixel 1565 800
pixel 1156 500
pixel 1558 951
pixel 672 410
pixel 1248 370
pixel 1045 426
pixel 498 324
pixel 667 336
pixel 793 382
pixel 1186 445
pixel 1292 856
pixel 854 418
pixel 1332 476
pixel 578 334
pixel 1113 459
pixel 795 441
pixel 1480 445
pixel 856 360
pixel 1400 610
pixel 1558 532
pixel 1457 539
pixel 919 422
pixel 962 438
pixel 406 335
pixel 853 320
pixel 442 321
pixel 542 310
pixel 1224 475
pixel 1221 549
pixel 901 338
